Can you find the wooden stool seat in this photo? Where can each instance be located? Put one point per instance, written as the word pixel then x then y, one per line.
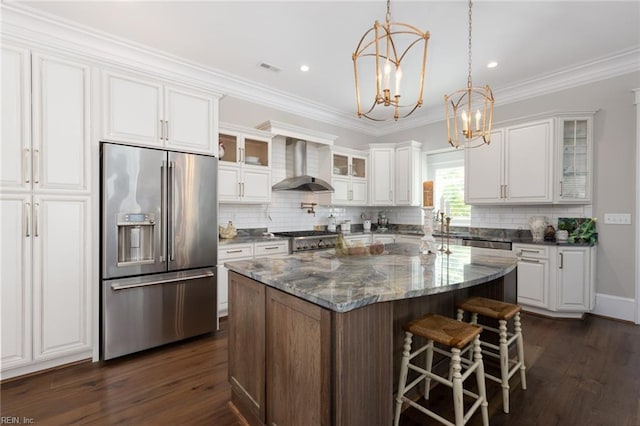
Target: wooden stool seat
pixel 443 330
pixel 503 312
pixel 454 335
pixel 490 308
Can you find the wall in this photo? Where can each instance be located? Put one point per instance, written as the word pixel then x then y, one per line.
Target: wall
pixel 614 163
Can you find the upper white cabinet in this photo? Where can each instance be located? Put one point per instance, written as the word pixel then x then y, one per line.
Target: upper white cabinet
pixel 244 170
pixel 46 211
pixel 15 161
pixel 382 182
pixel 346 170
pixel 408 182
pixel 517 167
pixel 55 155
pixel 574 159
pixel 395 174
pixel 144 111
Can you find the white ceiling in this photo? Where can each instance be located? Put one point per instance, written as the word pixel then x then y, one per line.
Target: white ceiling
pixel 528 39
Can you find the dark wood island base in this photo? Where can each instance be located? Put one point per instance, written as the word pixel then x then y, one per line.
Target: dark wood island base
pixel 292 362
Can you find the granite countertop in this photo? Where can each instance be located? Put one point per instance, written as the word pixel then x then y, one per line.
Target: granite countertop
pixel 344 283
pixel 249 239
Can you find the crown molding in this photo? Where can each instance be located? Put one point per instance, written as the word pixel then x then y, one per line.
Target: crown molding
pixel 22 24
pixel 293 131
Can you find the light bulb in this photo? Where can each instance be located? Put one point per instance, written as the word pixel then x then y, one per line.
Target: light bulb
pixel 398 78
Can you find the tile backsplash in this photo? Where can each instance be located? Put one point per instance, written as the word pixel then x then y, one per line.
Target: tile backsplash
pixel 284 214
pixel 517 217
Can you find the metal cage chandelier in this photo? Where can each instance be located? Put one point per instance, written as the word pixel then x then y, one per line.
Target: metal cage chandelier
pixel 460 107
pixel 377 57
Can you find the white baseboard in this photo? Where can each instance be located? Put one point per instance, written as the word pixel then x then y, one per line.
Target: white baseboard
pixel 622 308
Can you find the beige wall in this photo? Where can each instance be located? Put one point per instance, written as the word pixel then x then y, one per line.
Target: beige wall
pixel 614 160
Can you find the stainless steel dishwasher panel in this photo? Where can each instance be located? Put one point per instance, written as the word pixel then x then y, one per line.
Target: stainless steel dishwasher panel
pixel 143 312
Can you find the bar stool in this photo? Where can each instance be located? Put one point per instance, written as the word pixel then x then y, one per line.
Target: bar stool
pixel 502 312
pixel 455 335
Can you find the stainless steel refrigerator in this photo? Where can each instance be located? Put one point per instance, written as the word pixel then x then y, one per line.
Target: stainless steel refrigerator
pixel 159 236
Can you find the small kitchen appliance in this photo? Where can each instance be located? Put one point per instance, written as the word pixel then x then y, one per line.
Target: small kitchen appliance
pixel 383 221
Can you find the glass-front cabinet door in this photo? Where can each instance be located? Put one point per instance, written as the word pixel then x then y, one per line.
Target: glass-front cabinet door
pixel 575 159
pixel 239 148
pixel 347 165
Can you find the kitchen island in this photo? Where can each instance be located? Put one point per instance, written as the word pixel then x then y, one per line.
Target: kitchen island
pixel 316 338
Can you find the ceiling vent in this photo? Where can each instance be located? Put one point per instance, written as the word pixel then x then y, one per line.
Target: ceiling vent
pixel 269 67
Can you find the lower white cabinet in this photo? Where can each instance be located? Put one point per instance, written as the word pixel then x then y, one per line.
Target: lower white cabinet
pixel 557 281
pixel 358 239
pixel 384 238
pixel 246 251
pixel 533 275
pixel 46 278
pixel 415 239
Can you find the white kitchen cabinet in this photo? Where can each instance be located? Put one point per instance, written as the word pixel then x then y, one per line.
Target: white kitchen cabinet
pixel 144 111
pixel 574 159
pixel 516 168
pixel 408 181
pixel 15 161
pixel 382 176
pixel 414 239
pixel 574 286
pixel 246 251
pixel 558 281
pixel 46 290
pixel 15 280
pixel 229 252
pixel 395 171
pixel 357 239
pixel 383 238
pixel 244 171
pixel 533 275
pixel 346 170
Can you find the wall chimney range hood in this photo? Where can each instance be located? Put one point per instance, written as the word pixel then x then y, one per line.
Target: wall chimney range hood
pixel 300 181
pixel 296 156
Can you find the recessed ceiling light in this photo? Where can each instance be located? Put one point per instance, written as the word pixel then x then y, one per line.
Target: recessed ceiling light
pixel 492 64
pixel 304 68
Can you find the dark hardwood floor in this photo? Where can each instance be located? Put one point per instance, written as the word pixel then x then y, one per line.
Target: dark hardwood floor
pixel 579 373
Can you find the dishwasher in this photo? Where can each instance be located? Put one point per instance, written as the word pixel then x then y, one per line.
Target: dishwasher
pixel 489 244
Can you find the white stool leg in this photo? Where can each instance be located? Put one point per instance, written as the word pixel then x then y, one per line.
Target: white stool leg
pixel 458 408
pixel 520 343
pixel 429 364
pixel 482 390
pixel 460 315
pixel 402 381
pixel 504 365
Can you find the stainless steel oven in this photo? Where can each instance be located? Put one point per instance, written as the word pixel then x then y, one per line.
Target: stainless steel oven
pixel 309 240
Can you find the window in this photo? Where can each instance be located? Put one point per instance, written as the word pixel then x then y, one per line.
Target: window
pixel 446 170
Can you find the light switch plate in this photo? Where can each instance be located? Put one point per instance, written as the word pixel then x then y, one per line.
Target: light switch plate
pixel 617 218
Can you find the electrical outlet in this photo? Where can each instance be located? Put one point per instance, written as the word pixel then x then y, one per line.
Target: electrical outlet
pixel 617 218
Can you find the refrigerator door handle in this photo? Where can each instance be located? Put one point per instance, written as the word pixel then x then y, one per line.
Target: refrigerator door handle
pixel 116 286
pixel 163 211
pixel 171 211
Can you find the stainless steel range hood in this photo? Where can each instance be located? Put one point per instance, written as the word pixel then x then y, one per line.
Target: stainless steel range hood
pixel 300 180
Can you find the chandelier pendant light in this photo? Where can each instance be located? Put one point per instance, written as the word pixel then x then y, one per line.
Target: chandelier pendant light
pixel 469 111
pixel 379 54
